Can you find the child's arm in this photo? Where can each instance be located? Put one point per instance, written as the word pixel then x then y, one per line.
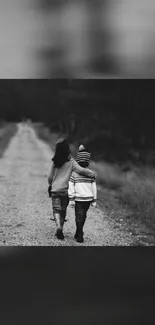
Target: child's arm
pixel 83 171
pixel 51 173
pixel 94 190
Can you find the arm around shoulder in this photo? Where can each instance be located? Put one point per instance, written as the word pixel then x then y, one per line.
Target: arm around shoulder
pixel 83 171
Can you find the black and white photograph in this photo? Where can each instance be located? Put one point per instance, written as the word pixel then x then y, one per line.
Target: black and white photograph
pixel 77 162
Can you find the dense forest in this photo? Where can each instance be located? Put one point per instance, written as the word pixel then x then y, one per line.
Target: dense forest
pixel 114 118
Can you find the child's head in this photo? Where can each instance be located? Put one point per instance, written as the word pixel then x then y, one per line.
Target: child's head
pixel 62 152
pixel 83 157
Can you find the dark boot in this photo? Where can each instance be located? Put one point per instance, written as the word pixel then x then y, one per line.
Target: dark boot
pixel 59 234
pixel 79 237
pixel 79 233
pixel 76 234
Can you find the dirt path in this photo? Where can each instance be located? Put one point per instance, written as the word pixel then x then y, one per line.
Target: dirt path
pixel 25 208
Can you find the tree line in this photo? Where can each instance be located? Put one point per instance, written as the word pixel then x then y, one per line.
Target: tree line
pixel 114 118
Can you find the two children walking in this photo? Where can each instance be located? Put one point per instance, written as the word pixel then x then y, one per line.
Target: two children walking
pixel 71 180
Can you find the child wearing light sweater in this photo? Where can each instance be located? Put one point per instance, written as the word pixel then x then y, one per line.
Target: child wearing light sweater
pixel 82 193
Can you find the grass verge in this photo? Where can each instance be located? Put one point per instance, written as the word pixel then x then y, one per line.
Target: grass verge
pixel 129 197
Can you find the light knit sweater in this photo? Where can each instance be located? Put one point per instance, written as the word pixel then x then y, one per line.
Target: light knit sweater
pixel 82 188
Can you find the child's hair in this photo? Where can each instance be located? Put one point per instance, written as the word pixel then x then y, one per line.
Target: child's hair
pixel 62 153
pixel 83 157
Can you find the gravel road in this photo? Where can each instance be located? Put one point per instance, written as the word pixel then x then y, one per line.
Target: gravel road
pixel 25 208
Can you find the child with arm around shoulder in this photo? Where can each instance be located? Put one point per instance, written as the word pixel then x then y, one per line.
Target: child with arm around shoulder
pixel 60 171
pixel 82 193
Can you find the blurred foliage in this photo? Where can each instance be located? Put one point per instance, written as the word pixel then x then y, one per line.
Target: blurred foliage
pixel 114 118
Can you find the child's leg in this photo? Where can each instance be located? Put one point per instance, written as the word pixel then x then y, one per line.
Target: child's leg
pixel 86 206
pixel 56 203
pixel 81 209
pixel 64 204
pixel 79 219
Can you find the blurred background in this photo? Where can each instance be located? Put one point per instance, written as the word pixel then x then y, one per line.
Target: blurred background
pixel 77 38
